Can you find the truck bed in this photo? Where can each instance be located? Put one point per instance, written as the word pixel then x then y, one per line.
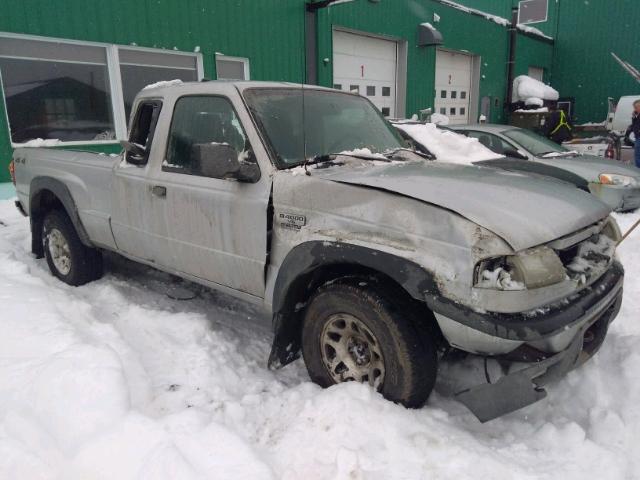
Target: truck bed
pixel 87 176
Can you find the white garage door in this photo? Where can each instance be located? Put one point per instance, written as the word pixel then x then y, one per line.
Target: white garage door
pixel 367 65
pixel 453 85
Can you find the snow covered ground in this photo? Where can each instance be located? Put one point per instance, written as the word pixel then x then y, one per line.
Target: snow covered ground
pixel 114 380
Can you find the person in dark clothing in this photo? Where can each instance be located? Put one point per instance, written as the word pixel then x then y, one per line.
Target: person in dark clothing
pixel 558 127
pixel 635 129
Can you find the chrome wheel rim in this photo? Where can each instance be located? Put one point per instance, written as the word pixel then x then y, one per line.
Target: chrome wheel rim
pixel 59 251
pixel 351 352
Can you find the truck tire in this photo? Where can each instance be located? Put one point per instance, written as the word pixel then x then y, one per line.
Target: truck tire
pixel 354 333
pixel 68 259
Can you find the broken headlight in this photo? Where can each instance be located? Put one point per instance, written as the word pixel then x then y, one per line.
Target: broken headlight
pixel 612 230
pixel 617 180
pixel 535 268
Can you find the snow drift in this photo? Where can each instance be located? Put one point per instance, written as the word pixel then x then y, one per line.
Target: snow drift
pixel 527 89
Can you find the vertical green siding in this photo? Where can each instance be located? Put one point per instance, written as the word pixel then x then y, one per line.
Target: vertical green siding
pixel 533 52
pixel 269 32
pixel 461 31
pixel 583 67
pixel 503 8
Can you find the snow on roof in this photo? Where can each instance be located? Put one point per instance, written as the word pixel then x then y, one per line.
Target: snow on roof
pixel 338 2
pixel 165 83
pixel 494 18
pixel 533 110
pixel 39 142
pixel 525 88
pixel 447 146
pixel 533 31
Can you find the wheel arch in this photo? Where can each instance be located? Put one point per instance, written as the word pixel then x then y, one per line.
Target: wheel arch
pixel 312 264
pixel 46 194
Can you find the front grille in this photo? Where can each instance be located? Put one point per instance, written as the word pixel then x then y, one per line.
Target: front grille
pixel 587 260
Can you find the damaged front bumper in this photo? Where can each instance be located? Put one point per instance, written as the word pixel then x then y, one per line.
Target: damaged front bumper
pixel 586 318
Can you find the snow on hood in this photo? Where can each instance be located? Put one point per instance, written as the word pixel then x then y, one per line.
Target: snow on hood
pixel 525 87
pixel 447 146
pixel 523 210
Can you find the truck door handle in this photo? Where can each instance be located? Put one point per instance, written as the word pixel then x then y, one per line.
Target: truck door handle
pixel 159 191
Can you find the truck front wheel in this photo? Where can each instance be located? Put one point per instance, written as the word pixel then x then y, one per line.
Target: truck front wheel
pixel 352 332
pixel 68 259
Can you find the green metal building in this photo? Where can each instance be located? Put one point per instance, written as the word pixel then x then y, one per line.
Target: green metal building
pixel 69 71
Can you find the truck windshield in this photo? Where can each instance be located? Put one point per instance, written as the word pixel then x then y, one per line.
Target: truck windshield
pixel 535 144
pixel 320 123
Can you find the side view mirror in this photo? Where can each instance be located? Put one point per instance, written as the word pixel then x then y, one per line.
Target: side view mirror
pixel 512 153
pixel 134 153
pixel 220 160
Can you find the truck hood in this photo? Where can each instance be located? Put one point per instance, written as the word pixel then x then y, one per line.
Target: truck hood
pixel 525 211
pixel 590 167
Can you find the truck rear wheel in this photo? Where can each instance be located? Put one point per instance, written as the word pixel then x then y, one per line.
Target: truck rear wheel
pixel 68 259
pixel 354 333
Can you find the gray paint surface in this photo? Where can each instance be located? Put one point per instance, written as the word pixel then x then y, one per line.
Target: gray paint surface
pixel 524 211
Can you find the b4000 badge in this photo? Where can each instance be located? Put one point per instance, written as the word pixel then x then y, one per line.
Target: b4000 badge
pixel 292 221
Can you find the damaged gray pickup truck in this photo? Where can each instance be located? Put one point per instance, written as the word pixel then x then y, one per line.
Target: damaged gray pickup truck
pixel 373 262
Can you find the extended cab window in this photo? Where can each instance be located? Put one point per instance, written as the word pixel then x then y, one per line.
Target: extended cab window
pixel 142 129
pixel 199 120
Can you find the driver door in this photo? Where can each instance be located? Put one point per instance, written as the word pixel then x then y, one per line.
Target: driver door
pixel 214 229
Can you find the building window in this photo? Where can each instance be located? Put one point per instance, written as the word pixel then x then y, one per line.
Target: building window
pixel 443 94
pixel 354 88
pixel 139 68
pixel 371 91
pixel 533 11
pixel 337 86
pixel 537 73
pixel 386 111
pixel 232 68
pixel 443 110
pixel 80 92
pixel 454 94
pixel 452 111
pixel 463 111
pixel 56 91
pixel 386 91
pixel 463 94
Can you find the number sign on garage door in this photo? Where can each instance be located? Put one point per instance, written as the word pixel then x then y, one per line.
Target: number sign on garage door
pixel 367 65
pixel 453 85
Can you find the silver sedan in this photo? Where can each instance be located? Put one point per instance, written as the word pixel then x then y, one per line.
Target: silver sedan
pixel 616 184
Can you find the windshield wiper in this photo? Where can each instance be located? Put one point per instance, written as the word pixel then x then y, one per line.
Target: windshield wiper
pixel 559 154
pixel 327 157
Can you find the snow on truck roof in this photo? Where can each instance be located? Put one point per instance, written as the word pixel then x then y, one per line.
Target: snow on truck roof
pixel 205 85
